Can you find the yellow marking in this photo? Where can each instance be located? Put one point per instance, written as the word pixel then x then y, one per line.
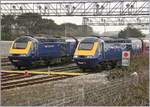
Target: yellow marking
pixel 46 73
pixel 11 75
pixel 86 52
pixel 21 51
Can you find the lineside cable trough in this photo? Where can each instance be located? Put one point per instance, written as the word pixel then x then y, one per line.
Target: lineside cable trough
pixel 45 73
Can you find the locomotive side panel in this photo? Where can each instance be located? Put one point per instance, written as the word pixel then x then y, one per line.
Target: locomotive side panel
pixel 39 50
pixel 112 52
pixel 51 50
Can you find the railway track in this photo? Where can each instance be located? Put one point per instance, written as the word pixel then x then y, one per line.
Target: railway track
pixel 4 59
pixel 31 81
pixel 63 67
pixel 13 79
pixel 5 62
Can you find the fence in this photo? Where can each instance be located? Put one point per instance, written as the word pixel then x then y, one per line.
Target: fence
pixel 90 95
pixel 4 48
pixel 75 93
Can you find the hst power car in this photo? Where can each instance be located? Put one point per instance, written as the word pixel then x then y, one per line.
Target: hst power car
pixel 27 51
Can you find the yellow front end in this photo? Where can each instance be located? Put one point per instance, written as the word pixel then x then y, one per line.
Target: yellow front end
pixel 90 52
pixel 21 51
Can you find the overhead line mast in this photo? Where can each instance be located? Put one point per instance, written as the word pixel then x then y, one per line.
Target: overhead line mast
pixel 76 7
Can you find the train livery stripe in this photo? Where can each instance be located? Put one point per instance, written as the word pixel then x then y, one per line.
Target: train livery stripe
pixel 87 52
pixel 21 51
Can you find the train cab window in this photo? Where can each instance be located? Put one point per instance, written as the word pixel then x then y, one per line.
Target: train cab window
pixel 21 43
pixel 86 46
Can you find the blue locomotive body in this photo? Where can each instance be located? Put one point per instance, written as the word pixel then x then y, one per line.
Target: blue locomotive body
pixel 25 51
pixel 93 52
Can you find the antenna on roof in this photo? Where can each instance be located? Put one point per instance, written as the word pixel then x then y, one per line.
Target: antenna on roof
pixel 29 35
pixel 57 36
pixel 96 36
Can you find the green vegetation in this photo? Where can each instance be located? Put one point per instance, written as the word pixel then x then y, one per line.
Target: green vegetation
pixel 135 95
pixel 130 32
pixel 32 23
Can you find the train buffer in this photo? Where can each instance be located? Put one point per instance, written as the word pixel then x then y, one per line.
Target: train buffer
pixel 44 73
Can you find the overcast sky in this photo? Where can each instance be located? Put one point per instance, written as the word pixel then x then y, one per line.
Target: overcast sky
pixel 78 20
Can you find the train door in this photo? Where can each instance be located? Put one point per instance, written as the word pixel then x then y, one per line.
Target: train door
pixel 63 49
pixel 103 49
pixel 36 49
pixel 33 49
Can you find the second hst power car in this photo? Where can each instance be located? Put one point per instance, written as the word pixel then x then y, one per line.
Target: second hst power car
pixel 93 52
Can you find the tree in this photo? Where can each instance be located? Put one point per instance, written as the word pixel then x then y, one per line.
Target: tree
pixel 45 26
pixel 74 29
pixel 7 22
pixel 33 23
pixel 130 32
pixel 28 21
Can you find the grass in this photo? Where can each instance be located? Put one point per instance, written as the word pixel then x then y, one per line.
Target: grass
pixel 135 95
pixel 137 64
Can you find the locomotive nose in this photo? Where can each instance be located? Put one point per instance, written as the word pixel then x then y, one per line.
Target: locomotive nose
pixel 20 47
pixel 86 49
pixel 86 54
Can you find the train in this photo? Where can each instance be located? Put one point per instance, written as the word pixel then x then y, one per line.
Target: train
pixel 98 52
pixel 29 50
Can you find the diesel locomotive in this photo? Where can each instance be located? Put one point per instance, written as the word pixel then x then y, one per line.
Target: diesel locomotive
pixel 95 52
pixel 29 50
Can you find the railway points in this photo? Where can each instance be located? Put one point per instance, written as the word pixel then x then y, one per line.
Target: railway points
pixel 20 78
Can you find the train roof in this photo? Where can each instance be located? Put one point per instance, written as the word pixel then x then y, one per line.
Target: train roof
pixel 90 39
pixel 45 39
pixel 112 39
pixel 41 39
pixel 118 41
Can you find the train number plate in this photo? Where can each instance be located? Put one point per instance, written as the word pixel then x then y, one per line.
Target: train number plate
pixel 15 60
pixel 81 62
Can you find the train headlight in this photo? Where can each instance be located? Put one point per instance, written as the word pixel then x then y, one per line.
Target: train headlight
pixel 23 55
pixel 10 55
pixel 75 56
pixel 90 56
